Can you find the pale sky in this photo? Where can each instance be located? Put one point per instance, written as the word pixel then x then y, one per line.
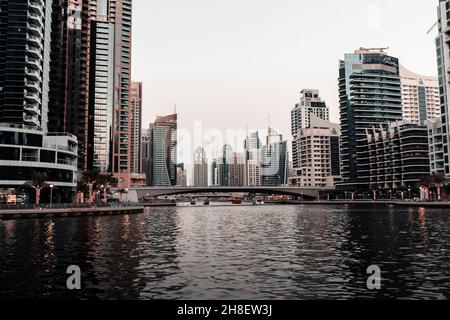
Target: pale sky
pixel 231 63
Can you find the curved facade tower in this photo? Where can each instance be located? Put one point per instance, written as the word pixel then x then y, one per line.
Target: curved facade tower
pixel 370 93
pixel 25 30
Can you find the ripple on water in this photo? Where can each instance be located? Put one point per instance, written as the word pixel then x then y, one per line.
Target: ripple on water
pixel 264 252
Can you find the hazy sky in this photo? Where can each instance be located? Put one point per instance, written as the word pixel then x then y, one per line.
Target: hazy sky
pixel 231 63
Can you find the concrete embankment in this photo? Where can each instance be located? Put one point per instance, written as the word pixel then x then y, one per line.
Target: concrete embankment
pixel 69 212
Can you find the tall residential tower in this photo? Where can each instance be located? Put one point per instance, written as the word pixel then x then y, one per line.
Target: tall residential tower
pixel 25 37
pixel 370 93
pixel 442 127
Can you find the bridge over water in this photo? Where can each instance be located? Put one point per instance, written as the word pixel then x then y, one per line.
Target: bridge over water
pixel 301 192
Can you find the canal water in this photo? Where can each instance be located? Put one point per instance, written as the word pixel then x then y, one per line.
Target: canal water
pixel 260 252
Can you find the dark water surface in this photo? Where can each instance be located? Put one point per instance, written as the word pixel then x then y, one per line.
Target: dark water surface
pixel 264 252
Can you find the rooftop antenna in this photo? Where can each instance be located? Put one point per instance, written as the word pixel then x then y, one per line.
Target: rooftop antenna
pixel 175 108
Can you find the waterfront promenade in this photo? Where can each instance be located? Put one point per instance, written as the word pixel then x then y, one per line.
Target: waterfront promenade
pixel 68 211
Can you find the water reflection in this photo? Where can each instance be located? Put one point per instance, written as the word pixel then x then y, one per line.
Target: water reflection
pixel 298 252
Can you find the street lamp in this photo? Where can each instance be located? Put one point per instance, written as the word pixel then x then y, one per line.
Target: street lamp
pixel 409 194
pixel 51 194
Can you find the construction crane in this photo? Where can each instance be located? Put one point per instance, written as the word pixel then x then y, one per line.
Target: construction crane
pixel 434 26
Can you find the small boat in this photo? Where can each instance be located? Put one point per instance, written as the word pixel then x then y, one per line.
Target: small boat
pixel 236 200
pixel 193 203
pixel 206 203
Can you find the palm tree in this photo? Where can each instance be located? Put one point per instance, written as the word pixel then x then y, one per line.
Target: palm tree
pixel 438 180
pixel 92 181
pixel 38 182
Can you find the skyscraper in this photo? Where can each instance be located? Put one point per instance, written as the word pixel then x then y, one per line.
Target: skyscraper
pixel 162 162
pixel 443 59
pixel 200 168
pixel 319 155
pixel 224 166
pixel 136 128
pixel 215 167
pixel 26 147
pixel 120 14
pixel 369 93
pixel 253 150
pixel 90 82
pixel 145 154
pixel 69 72
pixel 237 177
pixel 109 128
pixel 25 37
pixel 420 96
pixel 275 160
pixel 310 103
pixel 101 92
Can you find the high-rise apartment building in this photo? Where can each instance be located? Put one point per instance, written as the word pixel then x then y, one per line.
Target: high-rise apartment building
pixel 109 125
pixel 136 127
pixel 69 72
pixel 275 160
pixel 200 168
pixel 436 149
pixel 237 170
pixel 369 93
pixel 25 38
pixel 91 82
pixel 224 166
pixel 253 151
pixel 319 155
pixel 26 147
pixel 215 167
pixel 161 165
pixel 310 103
pixel 420 95
pixel 443 61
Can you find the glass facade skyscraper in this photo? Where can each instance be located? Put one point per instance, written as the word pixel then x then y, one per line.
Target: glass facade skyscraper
pixel 161 166
pixel 275 160
pixel 369 94
pixel 101 94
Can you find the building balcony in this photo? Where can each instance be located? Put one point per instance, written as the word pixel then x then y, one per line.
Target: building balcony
pixel 32 51
pixel 33 74
pixel 33 86
pixel 34 41
pixel 33 109
pixel 35 19
pixel 36 30
pixel 32 98
pixel 36 7
pixel 31 120
pixel 33 63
